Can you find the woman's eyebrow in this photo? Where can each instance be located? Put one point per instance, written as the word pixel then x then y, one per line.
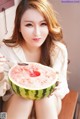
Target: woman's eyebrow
pixel 28 21
pixel 33 21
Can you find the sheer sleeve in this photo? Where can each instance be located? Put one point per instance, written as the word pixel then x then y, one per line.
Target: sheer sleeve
pixel 4 85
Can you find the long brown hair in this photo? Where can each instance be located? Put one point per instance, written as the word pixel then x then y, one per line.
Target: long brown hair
pixel 55 31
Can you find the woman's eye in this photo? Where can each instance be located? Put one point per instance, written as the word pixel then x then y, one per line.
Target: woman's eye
pixel 28 25
pixel 44 24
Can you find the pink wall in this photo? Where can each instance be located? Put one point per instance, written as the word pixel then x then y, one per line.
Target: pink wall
pixel 7 27
pixel 69 17
pixel 4 4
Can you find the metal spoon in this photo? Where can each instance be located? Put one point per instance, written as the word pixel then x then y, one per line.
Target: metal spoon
pixel 22 64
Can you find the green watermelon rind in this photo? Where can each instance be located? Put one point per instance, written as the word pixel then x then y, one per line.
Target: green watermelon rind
pixel 29 93
pixel 32 94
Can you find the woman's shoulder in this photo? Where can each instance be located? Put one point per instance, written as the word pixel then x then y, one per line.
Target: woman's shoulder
pixel 59 53
pixel 4 49
pixel 2 44
pixel 6 46
pixel 59 49
pixel 60 46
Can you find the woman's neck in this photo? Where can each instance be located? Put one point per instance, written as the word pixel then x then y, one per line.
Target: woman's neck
pixel 32 53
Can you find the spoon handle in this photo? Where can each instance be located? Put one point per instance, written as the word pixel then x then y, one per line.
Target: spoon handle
pixel 22 64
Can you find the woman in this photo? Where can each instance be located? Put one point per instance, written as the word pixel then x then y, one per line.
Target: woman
pixel 37 37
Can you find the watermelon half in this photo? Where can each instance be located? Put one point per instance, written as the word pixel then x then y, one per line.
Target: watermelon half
pixel 32 80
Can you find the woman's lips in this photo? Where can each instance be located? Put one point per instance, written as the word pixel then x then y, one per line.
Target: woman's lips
pixel 37 39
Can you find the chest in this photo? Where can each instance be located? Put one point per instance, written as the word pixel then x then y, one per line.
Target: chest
pixel 32 57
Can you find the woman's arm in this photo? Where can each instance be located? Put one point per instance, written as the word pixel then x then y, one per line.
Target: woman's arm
pixel 60 65
pixel 4 85
pixel 2 60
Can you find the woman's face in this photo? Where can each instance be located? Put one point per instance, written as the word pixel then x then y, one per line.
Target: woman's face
pixel 33 28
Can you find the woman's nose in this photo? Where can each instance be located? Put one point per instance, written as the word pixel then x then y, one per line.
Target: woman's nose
pixel 37 31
